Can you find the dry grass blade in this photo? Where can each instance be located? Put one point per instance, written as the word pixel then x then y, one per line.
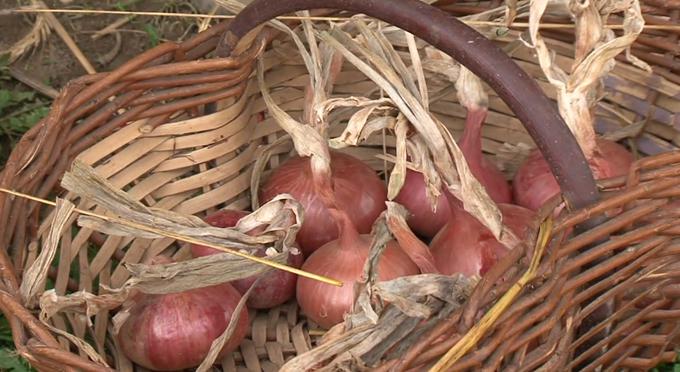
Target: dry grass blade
pixel 34 83
pixel 439 142
pixel 36 275
pixel 83 181
pixel 417 68
pixel 404 292
pixel 80 343
pixel 359 127
pixel 70 43
pixel 596 48
pixel 470 339
pixel 195 273
pixel 411 298
pixel 380 236
pixel 495 13
pixel 191 240
pixel 398 175
pixel 417 251
pixel 470 20
pixel 112 27
pixel 307 141
pixel 80 302
pixel 38 34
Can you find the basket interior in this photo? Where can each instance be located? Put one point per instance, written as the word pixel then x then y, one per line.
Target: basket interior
pixel 185 161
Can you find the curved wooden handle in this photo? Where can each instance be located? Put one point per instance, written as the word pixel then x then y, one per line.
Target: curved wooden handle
pixel 443 31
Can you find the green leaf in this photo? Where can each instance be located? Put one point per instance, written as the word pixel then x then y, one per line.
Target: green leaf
pixel 21 123
pixel 119 5
pixel 4 60
pixel 23 96
pixel 14 122
pixel 11 362
pixel 5 99
pixel 32 117
pixel 152 32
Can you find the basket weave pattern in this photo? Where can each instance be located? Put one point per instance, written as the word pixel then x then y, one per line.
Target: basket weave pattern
pixel 142 128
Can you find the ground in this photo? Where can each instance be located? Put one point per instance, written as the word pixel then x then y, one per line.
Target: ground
pixel 53 64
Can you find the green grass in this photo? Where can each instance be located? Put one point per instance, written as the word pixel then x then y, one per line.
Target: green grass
pixel 153 35
pixel 9 360
pixel 668 367
pixel 20 109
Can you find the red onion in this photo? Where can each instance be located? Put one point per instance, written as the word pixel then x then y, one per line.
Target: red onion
pixel 413 196
pixel 422 220
pixel 486 172
pixel 174 331
pixel 276 286
pixel 344 259
pixel 465 246
pixel 221 218
pixel 356 187
pixel 534 184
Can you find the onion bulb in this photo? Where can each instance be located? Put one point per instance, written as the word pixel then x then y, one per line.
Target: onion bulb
pixel 174 331
pixel 426 222
pixel 422 219
pixel 534 183
pixel 485 171
pixel 466 246
pixel 275 287
pixel 344 259
pixel 356 187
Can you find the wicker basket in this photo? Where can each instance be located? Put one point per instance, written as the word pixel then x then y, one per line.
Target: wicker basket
pixel 142 127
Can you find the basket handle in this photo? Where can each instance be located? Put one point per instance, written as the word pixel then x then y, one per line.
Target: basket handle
pixel 514 86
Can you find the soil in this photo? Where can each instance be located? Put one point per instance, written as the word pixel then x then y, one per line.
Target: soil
pixel 54 64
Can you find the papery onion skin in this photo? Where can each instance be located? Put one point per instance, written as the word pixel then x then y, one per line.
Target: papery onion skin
pixel 276 286
pixel 357 188
pixel 534 183
pixel 171 332
pixel 465 246
pixel 326 304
